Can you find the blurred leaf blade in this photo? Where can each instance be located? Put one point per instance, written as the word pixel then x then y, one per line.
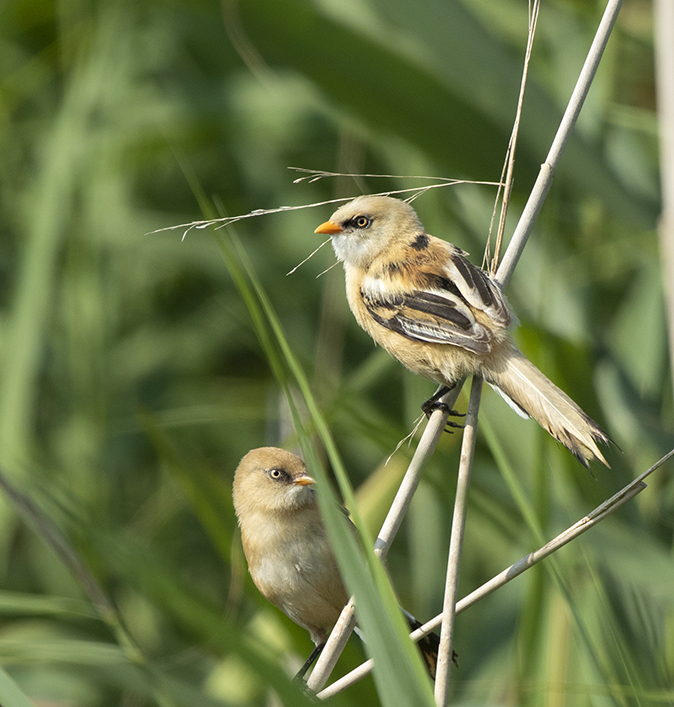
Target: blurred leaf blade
pixel 10 694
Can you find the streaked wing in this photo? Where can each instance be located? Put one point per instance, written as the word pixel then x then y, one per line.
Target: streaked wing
pixel 435 294
pixel 476 287
pixel 438 317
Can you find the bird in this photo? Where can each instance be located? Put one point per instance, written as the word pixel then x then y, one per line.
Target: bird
pixel 287 548
pixel 422 300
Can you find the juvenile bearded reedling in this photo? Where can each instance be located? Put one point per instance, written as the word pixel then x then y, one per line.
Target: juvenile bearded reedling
pixel 442 317
pixel 287 547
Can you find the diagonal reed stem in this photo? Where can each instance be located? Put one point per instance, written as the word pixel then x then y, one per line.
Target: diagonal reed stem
pixel 590 520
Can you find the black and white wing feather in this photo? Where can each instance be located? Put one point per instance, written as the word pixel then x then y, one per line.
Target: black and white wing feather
pixel 453 305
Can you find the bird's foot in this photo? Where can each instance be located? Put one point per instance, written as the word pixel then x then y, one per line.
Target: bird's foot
pixel 299 677
pixel 434 403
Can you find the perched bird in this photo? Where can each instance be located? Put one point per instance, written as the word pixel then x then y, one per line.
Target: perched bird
pixel 287 547
pixel 442 317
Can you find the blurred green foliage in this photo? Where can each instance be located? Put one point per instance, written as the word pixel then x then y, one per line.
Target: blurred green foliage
pixel 132 378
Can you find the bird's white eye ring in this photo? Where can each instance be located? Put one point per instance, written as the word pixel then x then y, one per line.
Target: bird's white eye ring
pixel 362 221
pixel 276 474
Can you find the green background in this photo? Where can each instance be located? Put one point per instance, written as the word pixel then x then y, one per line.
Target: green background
pixel 132 377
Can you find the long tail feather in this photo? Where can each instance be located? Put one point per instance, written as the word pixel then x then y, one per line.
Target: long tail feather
pixel 553 409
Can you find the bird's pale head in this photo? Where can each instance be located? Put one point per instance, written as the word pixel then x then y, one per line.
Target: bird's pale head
pixel 368 226
pixel 271 480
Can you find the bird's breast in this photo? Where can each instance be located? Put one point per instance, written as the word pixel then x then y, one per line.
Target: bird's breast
pixel 293 566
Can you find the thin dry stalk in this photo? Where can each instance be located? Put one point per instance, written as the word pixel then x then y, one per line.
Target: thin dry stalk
pixel 456 545
pixel 589 521
pixel 334 646
pixel 546 175
pixel 427 444
pixel 509 166
pixel 218 223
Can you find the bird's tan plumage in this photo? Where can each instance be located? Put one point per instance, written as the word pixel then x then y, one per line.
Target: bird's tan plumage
pixel 285 542
pixel 442 317
pixel 287 548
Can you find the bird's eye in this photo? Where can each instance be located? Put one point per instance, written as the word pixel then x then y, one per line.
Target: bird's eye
pixel 362 221
pixel 277 474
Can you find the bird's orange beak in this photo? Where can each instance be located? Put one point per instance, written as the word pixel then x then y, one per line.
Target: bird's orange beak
pixel 329 227
pixel 304 480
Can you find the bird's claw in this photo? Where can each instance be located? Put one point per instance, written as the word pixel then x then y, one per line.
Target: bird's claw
pixel 432 404
pixel 449 426
pixel 435 403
